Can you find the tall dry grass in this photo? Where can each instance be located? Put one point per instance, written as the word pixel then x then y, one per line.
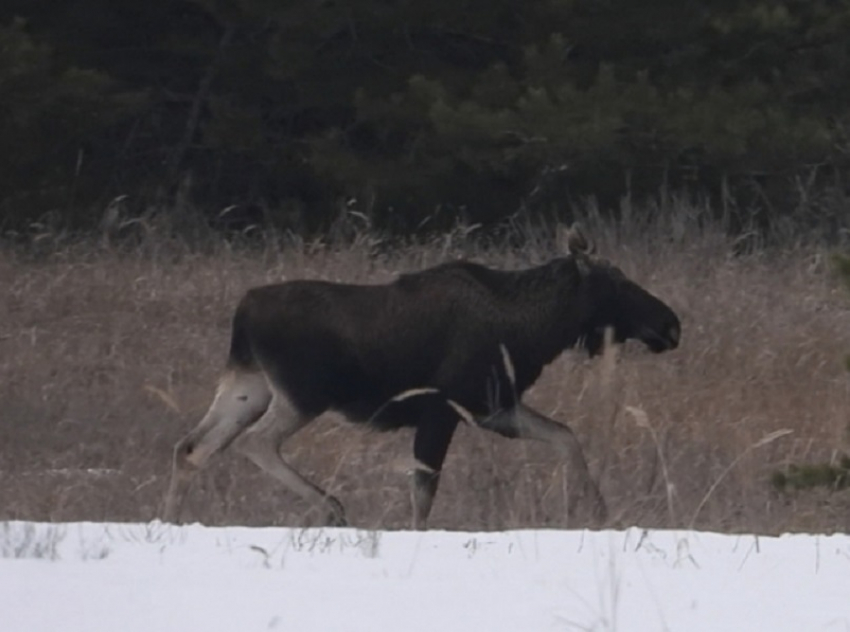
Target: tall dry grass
pixel 109 355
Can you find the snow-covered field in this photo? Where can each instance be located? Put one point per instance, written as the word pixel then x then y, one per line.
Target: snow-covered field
pixel 155 577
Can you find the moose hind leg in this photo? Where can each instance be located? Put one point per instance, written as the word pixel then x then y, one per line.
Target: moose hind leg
pixel 262 444
pixel 526 423
pixel 434 433
pixel 241 399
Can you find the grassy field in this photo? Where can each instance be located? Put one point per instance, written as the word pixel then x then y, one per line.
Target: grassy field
pixel 107 356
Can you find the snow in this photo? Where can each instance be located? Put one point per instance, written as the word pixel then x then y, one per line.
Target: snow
pixel 155 577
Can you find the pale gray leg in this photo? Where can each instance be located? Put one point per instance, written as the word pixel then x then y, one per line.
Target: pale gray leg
pixel 262 443
pixel 240 400
pixel 526 423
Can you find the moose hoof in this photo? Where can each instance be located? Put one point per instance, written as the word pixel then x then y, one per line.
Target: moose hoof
pixel 337 521
pixel 597 506
pixel 600 513
pixel 336 517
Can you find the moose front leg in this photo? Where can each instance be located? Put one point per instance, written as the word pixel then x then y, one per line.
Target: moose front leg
pixel 430 445
pixel 522 422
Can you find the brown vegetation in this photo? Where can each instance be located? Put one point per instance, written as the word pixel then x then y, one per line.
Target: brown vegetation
pixel 108 356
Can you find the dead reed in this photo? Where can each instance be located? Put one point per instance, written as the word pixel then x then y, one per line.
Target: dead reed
pixel 108 355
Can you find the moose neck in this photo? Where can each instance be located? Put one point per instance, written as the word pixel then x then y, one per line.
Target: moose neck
pixel 545 311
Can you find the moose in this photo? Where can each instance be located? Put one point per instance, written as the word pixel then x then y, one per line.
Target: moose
pixel 458 342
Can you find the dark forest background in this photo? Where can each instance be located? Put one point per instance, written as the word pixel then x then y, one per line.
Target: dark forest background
pixel 418 113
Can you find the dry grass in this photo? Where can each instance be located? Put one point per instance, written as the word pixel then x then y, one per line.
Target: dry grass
pixel 106 359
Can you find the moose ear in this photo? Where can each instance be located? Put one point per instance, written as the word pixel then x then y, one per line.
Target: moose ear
pixel 577 242
pixel 578 246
